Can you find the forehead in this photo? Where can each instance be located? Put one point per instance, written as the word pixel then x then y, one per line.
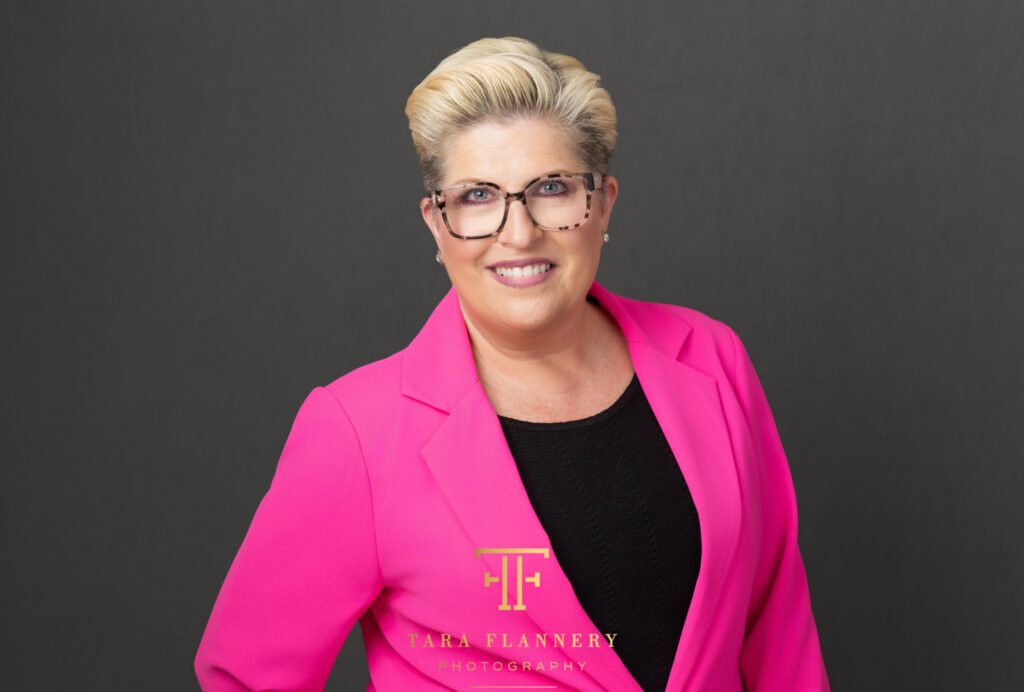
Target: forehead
pixel 509 153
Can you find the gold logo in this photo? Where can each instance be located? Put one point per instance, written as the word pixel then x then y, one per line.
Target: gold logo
pixel 503 579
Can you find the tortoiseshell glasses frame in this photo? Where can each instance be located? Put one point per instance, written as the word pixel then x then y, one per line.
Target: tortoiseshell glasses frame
pixel 591 181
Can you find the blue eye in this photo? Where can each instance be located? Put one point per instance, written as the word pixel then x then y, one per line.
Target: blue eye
pixel 476 195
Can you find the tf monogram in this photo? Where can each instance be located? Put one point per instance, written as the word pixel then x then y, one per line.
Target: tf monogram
pixel 520 578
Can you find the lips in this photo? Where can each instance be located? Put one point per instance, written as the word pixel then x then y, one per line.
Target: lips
pixel 519 276
pixel 525 262
pixel 528 270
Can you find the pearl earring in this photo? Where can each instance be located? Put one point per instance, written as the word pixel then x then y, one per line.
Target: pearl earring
pixel 607 237
pixel 438 257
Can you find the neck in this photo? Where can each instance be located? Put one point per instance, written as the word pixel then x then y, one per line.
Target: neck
pixel 565 353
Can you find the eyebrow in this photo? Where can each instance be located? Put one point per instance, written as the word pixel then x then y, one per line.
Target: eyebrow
pixel 561 171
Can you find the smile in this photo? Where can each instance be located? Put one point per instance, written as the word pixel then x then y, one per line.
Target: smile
pixel 522 277
pixel 529 270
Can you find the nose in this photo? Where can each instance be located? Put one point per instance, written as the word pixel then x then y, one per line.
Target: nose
pixel 519 230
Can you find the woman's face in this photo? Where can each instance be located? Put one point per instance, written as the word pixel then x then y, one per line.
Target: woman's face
pixel 511 154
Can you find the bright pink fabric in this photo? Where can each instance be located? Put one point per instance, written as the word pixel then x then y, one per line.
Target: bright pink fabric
pixel 396 472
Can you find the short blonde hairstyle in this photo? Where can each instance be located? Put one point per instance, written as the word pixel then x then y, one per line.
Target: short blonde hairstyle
pixel 499 79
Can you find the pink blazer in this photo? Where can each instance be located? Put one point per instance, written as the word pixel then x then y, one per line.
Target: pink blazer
pixel 396 476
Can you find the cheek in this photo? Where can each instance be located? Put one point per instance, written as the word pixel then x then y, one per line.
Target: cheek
pixel 584 247
pixel 464 254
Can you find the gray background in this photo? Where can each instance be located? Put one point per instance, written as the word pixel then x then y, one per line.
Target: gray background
pixel 210 208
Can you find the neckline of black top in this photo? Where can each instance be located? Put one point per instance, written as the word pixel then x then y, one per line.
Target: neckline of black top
pixel 627 393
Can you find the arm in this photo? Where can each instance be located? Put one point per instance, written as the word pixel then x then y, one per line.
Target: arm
pixel 780 650
pixel 307 568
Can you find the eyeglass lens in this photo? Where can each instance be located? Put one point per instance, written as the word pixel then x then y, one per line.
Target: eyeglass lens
pixel 554 203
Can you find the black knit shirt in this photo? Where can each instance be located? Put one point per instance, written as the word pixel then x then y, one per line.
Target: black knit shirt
pixel 623 526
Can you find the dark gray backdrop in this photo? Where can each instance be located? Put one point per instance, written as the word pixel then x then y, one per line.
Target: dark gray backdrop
pixel 210 208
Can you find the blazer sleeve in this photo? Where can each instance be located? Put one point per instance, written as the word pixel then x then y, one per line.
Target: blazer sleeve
pixel 781 650
pixel 307 568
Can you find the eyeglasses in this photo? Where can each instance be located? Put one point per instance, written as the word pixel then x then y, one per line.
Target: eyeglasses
pixel 557 202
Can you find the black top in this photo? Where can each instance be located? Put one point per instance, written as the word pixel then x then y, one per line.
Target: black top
pixel 623 526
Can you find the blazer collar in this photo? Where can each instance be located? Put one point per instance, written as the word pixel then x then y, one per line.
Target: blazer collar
pixel 438 368
pixel 479 479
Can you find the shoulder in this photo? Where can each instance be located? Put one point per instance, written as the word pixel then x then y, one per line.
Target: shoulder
pixel 709 341
pixel 366 384
pixel 359 404
pixel 711 332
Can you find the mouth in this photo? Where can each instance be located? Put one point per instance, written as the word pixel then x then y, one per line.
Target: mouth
pixel 524 271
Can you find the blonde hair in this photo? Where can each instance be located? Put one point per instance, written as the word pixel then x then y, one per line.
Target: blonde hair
pixel 499 79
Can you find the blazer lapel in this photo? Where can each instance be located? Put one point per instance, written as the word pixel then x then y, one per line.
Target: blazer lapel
pixel 478 476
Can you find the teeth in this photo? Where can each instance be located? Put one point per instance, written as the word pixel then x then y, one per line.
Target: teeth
pixel 523 271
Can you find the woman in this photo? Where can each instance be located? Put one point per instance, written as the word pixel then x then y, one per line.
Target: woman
pixel 552 485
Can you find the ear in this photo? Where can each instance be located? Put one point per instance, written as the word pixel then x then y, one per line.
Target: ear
pixel 431 218
pixel 609 192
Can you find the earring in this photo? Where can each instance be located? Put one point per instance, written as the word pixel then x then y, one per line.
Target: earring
pixel 607 237
pixel 438 257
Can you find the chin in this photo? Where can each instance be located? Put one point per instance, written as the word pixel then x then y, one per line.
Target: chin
pixel 529 315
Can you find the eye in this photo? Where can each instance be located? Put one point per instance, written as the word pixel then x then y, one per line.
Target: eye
pixel 552 187
pixel 475 196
